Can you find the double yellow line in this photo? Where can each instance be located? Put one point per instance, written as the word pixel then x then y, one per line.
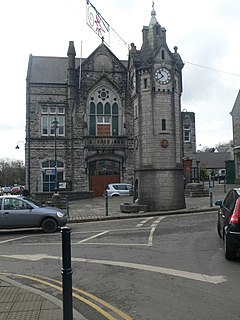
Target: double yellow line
pixel 79 294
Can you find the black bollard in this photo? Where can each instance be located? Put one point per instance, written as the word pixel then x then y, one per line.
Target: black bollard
pixel 66 274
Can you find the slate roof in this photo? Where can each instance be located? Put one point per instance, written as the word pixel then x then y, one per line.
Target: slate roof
pixel 213 160
pixel 50 69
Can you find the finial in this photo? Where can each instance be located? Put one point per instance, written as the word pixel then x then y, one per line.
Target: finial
pixel 153 13
pixel 153 20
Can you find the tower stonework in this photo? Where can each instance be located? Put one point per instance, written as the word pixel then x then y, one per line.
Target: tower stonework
pixel 156 88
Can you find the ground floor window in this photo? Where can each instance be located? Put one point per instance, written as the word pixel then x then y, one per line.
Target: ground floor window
pixel 48 175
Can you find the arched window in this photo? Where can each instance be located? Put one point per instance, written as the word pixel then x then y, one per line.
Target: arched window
pixel 104 114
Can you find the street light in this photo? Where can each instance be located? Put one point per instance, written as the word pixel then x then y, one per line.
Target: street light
pixel 17 146
pixel 55 124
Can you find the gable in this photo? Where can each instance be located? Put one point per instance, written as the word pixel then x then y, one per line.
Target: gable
pixel 236 106
pixel 102 59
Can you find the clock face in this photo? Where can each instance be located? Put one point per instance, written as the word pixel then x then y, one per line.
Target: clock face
pixel 162 75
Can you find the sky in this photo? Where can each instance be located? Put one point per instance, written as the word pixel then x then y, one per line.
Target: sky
pixel 205 32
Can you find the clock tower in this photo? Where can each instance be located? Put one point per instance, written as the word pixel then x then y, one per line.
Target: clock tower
pixel 155 75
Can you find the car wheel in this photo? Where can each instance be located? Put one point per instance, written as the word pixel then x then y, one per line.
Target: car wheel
pixel 229 254
pixel 49 225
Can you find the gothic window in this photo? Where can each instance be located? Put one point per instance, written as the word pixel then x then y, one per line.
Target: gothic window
pixel 48 114
pixel 135 111
pixel 186 133
pixel 104 114
pixel 48 174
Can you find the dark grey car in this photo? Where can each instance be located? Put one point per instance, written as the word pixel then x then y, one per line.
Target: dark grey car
pixel 21 212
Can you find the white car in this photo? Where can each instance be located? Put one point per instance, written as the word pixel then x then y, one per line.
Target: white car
pixel 119 189
pixel 6 189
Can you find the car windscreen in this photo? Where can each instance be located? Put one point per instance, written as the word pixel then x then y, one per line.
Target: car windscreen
pixel 31 201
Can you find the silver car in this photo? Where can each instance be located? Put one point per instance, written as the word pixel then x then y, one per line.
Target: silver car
pixel 119 189
pixel 21 212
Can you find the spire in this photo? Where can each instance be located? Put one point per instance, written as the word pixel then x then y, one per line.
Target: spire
pixel 153 20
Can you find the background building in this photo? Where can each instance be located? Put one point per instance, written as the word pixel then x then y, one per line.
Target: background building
pixel 191 166
pixel 235 113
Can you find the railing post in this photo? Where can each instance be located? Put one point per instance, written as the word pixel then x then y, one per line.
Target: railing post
pixel 106 202
pixel 67 205
pixel 211 197
pixel 224 185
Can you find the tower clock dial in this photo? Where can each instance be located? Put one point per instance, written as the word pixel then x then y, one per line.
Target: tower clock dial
pixel 162 75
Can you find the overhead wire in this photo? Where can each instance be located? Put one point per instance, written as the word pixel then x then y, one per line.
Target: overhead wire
pixel 213 69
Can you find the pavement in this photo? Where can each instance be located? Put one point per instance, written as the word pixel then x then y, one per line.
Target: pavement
pixel 20 301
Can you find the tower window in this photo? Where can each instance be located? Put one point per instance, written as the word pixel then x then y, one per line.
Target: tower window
pixel 163 124
pixel 145 83
pixel 163 54
pixel 186 133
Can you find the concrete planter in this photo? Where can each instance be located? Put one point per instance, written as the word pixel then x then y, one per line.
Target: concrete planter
pixel 133 207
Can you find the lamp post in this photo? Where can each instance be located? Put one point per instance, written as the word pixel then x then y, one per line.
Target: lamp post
pixel 18 147
pixel 55 124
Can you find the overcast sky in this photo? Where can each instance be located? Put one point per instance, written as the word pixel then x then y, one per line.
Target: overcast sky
pixel 206 33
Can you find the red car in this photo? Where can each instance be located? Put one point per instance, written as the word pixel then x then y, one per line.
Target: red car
pixel 16 190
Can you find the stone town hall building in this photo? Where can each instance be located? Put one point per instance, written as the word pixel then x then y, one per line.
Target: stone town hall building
pixel 118 121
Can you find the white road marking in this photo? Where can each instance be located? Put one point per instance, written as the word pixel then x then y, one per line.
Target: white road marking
pixel 138 266
pixel 140 224
pixel 14 239
pixel 92 237
pixel 153 227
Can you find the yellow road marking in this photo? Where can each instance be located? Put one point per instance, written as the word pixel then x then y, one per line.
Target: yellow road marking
pixel 106 304
pixel 91 304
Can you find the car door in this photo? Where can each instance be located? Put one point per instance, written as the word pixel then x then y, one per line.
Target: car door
pixel 17 213
pixel 227 208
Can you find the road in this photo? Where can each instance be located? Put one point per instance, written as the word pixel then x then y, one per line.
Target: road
pixel 165 267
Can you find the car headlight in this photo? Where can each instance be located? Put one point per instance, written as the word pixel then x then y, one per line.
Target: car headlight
pixel 60 214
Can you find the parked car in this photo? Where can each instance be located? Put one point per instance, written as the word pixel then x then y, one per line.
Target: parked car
pixel 6 189
pixel 228 223
pixel 21 212
pixel 119 189
pixel 220 176
pixel 16 190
